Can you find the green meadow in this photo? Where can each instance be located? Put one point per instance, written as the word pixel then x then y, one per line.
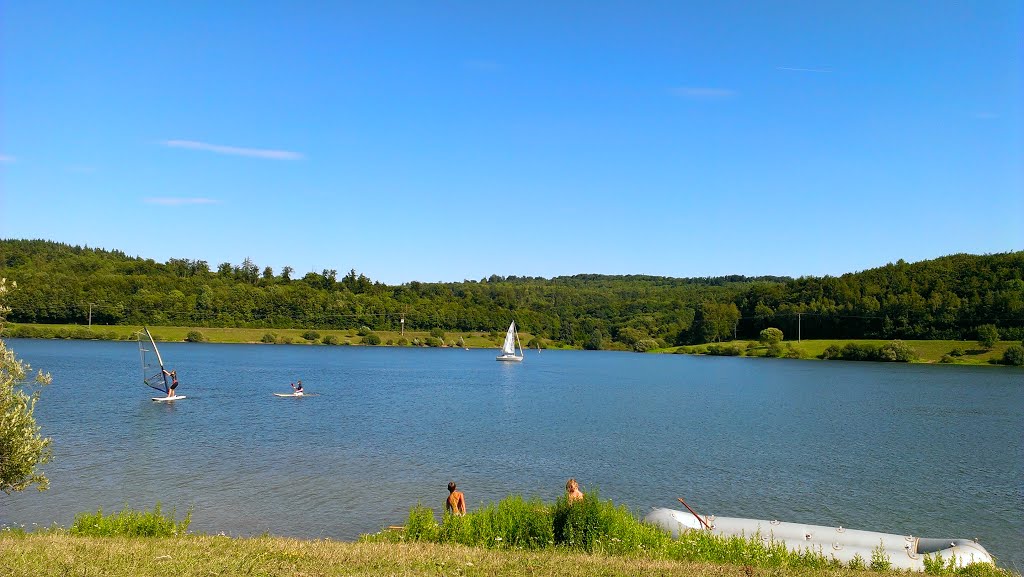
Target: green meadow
pixel 514 537
pixel 925 351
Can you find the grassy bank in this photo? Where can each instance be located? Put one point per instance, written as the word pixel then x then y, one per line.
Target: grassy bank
pixel 203 556
pixel 470 339
pixel 514 537
pixel 945 352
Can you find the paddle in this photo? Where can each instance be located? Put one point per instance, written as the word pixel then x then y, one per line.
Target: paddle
pixel 702 521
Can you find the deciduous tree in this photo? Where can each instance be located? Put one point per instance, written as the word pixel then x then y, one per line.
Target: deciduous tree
pixel 22 448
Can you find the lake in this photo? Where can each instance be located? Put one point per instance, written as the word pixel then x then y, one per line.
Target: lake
pixel 933 451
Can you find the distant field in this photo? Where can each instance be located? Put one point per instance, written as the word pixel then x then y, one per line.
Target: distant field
pixel 927 351
pixel 472 339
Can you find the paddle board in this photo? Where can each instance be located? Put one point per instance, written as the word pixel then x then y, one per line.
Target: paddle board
pixel 164 399
pixel 294 395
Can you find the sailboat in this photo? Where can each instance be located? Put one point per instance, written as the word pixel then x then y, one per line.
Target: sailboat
pixel 508 349
pixel 153 373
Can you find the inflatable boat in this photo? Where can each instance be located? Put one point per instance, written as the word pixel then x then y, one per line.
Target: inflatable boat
pixel 903 551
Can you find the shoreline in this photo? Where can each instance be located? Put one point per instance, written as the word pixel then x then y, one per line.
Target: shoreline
pixel 966 353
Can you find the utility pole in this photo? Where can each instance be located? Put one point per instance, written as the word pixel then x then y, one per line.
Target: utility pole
pixel 90 315
pixel 799 327
pixel 403 325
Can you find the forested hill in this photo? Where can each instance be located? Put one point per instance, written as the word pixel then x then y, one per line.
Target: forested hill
pixel 943 298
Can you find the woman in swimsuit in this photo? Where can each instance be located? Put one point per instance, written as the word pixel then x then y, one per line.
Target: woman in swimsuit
pixel 174 382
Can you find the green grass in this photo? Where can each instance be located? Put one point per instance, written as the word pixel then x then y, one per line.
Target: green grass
pixel 130 523
pixel 600 528
pixel 927 351
pixel 472 339
pixel 514 537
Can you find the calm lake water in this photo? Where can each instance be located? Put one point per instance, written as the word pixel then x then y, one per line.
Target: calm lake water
pixel 934 451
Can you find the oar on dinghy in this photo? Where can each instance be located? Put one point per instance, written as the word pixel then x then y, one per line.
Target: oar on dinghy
pixel 699 518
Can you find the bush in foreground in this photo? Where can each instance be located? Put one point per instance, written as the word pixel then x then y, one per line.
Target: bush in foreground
pixel 130 523
pixel 595 526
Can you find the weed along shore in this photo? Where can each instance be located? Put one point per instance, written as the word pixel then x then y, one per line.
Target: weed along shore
pixel 914 351
pixel 514 537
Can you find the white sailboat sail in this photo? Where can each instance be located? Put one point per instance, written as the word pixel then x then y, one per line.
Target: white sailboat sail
pixel 152 364
pixel 508 348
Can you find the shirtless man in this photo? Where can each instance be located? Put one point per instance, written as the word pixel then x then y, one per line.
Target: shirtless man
pixel 456 502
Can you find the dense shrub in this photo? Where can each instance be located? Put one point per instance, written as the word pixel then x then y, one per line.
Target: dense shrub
pixel 644 345
pixel 988 336
pixel 1013 356
pixel 832 352
pixel 432 342
pixel 402 342
pixel 195 337
pixel 437 332
pixel 771 335
pixel 363 331
pixel 957 352
pixel 773 350
pixel 330 340
pixel 311 336
pixel 129 523
pixel 371 339
pixel 268 338
pixel 792 352
pixel 724 350
pixel 897 351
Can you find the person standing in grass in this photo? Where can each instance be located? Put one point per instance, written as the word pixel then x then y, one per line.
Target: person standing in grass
pixel 456 502
pixel 572 491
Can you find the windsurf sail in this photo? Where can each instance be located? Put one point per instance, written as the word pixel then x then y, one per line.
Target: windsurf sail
pixel 152 365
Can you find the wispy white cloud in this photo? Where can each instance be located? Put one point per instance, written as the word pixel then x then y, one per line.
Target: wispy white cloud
pixel 6 159
pixel 178 200
pixel 703 92
pixel 234 150
pixel 800 69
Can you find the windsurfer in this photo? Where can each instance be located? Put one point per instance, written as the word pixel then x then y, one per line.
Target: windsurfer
pixel 174 381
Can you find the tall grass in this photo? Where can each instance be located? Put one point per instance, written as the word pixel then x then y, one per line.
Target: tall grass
pixel 130 523
pixel 596 526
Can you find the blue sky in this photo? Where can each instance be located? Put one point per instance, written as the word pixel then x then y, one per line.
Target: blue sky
pixel 442 141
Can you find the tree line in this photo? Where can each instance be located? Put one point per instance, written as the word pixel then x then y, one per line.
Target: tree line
pixel 944 298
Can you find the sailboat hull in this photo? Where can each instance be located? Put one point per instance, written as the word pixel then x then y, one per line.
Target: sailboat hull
pixel 511 358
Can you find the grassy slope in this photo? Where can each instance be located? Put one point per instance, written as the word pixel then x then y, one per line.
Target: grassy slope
pixel 242 335
pixel 188 556
pixel 928 351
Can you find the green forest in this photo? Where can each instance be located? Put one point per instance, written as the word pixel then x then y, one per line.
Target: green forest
pixel 944 298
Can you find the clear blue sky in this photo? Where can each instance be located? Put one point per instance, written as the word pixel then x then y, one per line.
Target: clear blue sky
pixel 442 141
